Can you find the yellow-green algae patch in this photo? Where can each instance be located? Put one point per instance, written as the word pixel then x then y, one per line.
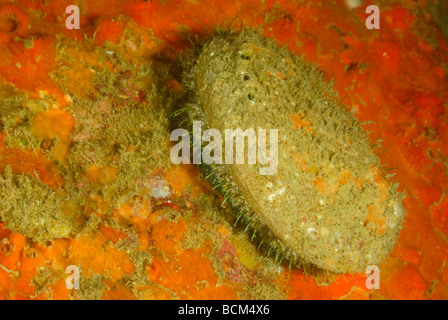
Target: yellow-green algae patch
pixel 33 209
pixel 121 129
pixel 16 116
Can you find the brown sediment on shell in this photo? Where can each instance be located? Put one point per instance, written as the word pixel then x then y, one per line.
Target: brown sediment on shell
pixel 329 204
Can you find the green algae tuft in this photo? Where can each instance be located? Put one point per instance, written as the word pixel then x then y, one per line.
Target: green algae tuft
pixel 33 209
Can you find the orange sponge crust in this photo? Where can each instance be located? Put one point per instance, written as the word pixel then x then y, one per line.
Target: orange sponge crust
pixel 394 77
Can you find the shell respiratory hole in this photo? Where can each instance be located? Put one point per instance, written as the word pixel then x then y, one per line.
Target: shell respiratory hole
pixel 329 205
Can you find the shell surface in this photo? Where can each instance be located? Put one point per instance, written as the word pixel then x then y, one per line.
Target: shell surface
pixel 329 204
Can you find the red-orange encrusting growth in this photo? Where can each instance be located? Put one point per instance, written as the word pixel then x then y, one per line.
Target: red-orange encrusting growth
pixel 13 22
pixel 395 77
